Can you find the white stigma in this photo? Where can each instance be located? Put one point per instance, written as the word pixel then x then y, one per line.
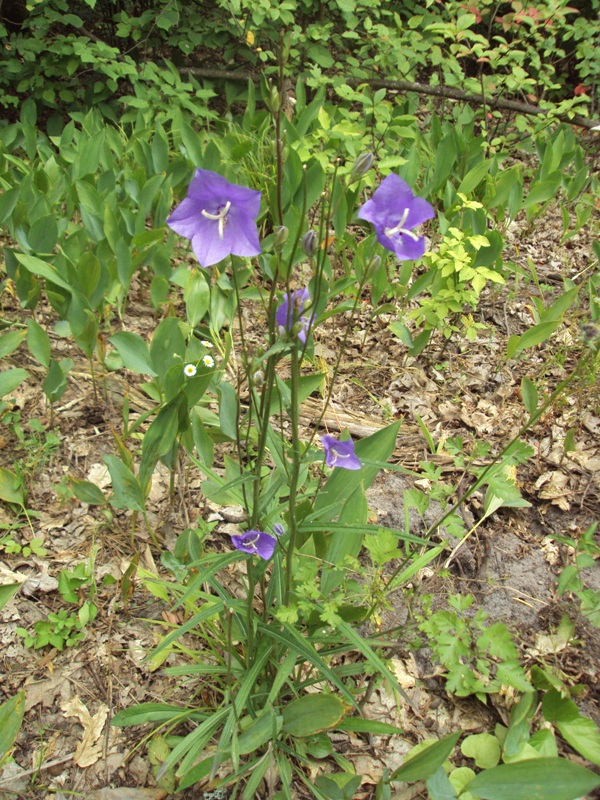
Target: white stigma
pixel 399 227
pixel 221 216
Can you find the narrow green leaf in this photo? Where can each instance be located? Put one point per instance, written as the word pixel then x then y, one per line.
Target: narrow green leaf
pixel 127 492
pixel 152 712
pixel 360 725
pixel 426 763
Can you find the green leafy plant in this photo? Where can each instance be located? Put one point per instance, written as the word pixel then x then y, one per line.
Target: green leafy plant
pixel 478 658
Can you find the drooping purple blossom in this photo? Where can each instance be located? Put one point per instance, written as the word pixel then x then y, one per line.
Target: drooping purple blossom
pixel 394 211
pixel 278 529
pixel 258 543
pixel 219 217
pixel 340 454
pixel 289 315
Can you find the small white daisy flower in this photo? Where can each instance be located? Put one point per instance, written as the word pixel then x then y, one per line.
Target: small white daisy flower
pixel 206 343
pixel 189 370
pixel 208 361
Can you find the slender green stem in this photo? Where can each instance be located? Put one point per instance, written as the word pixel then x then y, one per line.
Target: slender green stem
pixel 293 486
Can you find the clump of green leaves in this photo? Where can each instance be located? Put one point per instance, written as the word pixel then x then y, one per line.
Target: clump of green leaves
pixel 478 658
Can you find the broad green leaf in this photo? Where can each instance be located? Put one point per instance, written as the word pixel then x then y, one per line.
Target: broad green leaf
pixel 483 748
pixel 535 779
pixel 11 717
pixel 474 177
pixel 439 786
pixel 55 382
pixel 11 488
pixel 8 201
pixel 43 234
pixel 228 410
pixel 535 335
pixel 10 379
pixel 87 492
pixel 38 342
pixel 313 714
pixel 579 731
pixel 196 297
pixel 7 591
pixel 261 731
pixel 10 341
pixel 541 191
pixel 345 543
pixel 426 763
pixel 44 270
pixel 168 346
pixel 134 352
pixel 529 394
pixel 342 483
pixel 127 492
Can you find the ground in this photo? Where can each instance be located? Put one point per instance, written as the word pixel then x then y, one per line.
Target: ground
pixel 511 563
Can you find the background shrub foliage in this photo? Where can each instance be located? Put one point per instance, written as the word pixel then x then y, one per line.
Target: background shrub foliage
pixel 99 52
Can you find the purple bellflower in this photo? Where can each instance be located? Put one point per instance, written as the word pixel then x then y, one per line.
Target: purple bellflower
pixel 290 313
pixel 394 211
pixel 257 543
pixel 219 217
pixel 340 454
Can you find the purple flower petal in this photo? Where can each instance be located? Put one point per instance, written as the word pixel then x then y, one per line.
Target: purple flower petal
pixel 257 543
pixel 340 454
pixel 394 211
pixel 219 217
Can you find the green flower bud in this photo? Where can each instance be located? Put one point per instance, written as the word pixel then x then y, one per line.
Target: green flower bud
pixel 361 166
pixel 280 235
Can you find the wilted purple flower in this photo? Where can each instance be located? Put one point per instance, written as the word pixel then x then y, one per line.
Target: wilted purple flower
pixel 394 211
pixel 257 543
pixel 340 454
pixel 219 217
pixel 290 316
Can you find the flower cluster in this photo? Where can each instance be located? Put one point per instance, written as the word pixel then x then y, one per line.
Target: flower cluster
pixel 290 316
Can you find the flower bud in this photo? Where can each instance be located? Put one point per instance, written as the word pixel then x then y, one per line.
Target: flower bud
pixel 275 99
pixel 361 166
pixel 280 235
pixel 309 243
pixel 258 378
pixel 278 529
